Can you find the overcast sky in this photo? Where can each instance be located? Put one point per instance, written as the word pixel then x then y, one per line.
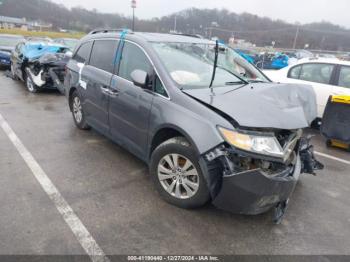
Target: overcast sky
pixel 304 11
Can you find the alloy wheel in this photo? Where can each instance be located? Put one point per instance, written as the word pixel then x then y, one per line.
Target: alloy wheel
pixel 77 110
pixel 178 176
pixel 30 84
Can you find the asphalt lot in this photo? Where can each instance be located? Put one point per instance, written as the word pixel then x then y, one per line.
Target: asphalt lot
pixel 112 194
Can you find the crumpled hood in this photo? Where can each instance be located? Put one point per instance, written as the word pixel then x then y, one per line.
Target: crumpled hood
pixel 34 51
pixel 263 105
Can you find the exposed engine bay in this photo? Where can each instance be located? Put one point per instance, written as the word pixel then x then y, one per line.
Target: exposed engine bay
pixel 48 71
pixel 249 183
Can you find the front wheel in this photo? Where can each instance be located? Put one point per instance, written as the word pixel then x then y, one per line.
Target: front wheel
pixel 32 88
pixel 177 175
pixel 13 72
pixel 78 112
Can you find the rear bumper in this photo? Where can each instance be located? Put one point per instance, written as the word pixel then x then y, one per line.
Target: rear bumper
pixel 253 192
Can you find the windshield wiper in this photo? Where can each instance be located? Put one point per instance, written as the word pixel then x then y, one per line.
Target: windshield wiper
pixel 232 83
pixel 257 81
pixel 240 78
pixel 215 64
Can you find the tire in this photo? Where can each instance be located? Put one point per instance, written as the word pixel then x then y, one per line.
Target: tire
pixel 31 87
pixel 78 112
pixel 188 188
pixel 13 74
pixel 316 124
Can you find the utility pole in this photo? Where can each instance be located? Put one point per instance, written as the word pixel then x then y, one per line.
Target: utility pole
pixel 133 6
pixel 175 24
pixel 296 37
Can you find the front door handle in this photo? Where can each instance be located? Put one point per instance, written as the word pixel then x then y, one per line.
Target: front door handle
pixel 114 92
pixel 109 91
pixel 105 90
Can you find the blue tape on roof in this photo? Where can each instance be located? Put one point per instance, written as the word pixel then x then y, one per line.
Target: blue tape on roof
pixel 118 55
pixel 36 50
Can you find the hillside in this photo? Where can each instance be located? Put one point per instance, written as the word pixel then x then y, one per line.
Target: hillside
pixel 259 30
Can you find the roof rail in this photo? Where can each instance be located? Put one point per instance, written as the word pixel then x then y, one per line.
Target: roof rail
pixel 104 31
pixel 190 35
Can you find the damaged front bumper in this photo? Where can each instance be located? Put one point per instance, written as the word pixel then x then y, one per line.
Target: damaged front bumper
pixel 48 78
pixel 255 190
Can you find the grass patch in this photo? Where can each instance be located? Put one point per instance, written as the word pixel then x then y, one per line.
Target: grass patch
pixel 77 35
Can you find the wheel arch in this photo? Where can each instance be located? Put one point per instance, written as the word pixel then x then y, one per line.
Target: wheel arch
pixel 165 133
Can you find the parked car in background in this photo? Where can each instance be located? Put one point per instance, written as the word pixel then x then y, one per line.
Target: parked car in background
pixel 327 77
pixel 247 55
pixel 301 54
pixel 7 45
pixel 271 60
pixel 69 42
pixel 210 125
pixel 40 65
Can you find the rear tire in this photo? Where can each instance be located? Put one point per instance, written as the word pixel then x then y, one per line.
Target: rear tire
pixel 316 124
pixel 78 111
pixel 177 175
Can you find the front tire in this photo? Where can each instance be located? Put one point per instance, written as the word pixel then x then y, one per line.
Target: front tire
pixel 177 175
pixel 13 73
pixel 31 87
pixel 78 112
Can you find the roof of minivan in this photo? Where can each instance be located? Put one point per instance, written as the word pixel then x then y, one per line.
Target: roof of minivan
pixel 154 37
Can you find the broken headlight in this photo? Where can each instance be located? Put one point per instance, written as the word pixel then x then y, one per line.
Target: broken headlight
pixel 259 144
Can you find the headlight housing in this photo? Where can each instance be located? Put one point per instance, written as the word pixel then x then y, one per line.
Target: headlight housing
pixel 259 144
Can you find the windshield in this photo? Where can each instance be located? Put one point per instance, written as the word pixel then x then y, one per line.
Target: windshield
pixel 9 41
pixel 191 65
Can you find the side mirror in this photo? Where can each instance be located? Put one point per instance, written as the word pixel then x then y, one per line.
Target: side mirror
pixel 139 78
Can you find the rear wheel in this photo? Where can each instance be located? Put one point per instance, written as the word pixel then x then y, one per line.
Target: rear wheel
pixel 78 112
pixel 177 175
pixel 316 124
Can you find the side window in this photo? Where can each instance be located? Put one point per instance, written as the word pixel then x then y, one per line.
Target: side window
pixel 103 54
pixel 133 58
pixel 159 88
pixel 318 73
pixel 344 77
pixel 294 72
pixel 83 54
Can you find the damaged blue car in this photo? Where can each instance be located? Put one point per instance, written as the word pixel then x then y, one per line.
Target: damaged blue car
pixel 40 65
